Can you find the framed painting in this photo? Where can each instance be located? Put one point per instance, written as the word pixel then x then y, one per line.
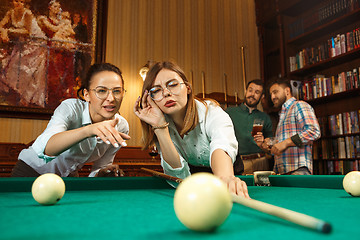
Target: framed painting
pixel 46 48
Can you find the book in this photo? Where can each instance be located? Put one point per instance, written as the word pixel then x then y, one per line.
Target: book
pixel 356 78
pixel 349 81
pixel 333 125
pixel 342 44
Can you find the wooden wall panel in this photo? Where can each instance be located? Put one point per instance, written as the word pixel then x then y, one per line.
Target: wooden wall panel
pixel 20 130
pixel 200 35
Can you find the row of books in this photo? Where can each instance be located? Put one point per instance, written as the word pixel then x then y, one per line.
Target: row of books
pixel 329 10
pixel 341 146
pixel 340 124
pixel 322 86
pixel 337 166
pixel 333 47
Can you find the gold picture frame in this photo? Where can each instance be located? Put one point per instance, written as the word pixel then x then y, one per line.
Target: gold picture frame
pixel 45 51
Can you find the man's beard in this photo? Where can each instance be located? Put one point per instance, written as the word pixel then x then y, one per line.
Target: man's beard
pixel 251 105
pixel 281 101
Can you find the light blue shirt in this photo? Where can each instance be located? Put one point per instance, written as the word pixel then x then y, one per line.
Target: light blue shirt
pixel 214 131
pixel 71 114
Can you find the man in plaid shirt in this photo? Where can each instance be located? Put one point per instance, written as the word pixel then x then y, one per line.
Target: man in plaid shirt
pixel 297 129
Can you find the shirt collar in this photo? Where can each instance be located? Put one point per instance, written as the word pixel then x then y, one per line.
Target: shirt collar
pixel 201 108
pixel 246 108
pixel 288 103
pixel 86 119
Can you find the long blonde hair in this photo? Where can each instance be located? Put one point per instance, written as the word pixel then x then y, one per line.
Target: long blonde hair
pixel 191 116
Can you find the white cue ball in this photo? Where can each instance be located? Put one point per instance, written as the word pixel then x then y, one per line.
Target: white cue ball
pixel 48 189
pixel 202 202
pixel 351 183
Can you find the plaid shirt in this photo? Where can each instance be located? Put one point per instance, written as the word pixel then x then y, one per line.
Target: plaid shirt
pixel 296 118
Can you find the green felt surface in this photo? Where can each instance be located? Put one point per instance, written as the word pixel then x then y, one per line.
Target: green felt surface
pixel 142 208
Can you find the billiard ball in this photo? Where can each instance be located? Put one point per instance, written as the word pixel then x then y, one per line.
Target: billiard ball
pixel 202 202
pixel 48 189
pixel 351 183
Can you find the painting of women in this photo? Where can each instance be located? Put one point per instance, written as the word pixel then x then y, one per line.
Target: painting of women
pixel 61 79
pixel 23 69
pixel 46 47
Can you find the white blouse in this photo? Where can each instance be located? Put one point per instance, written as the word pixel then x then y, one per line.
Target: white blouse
pixel 71 114
pixel 214 131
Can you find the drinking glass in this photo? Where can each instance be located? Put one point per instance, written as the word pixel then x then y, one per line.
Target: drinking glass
pixel 257 126
pixel 271 142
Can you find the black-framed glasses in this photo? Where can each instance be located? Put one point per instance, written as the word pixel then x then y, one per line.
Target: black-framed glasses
pixel 157 92
pixel 103 92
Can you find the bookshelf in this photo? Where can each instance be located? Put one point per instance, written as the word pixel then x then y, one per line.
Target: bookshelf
pixel 318 44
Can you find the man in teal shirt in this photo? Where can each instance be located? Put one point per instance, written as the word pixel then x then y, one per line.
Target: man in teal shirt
pixel 251 156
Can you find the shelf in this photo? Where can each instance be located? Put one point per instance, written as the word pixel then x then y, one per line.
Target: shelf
pixel 336 159
pixel 335 97
pixel 330 62
pixel 313 24
pixel 327 27
pixel 341 136
pixel 297 7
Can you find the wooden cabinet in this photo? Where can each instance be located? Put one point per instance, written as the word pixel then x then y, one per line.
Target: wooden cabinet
pixel 129 159
pixel 318 44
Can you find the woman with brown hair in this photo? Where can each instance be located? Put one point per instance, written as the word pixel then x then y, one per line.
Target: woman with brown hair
pixel 88 129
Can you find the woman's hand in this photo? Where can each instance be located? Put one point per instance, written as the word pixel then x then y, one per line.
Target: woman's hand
pixel 107 132
pixel 110 171
pixel 236 185
pixel 148 111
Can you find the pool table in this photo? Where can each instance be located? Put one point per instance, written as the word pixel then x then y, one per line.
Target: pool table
pixel 142 208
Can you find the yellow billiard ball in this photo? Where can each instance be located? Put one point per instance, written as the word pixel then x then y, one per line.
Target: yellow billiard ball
pixel 202 202
pixel 351 183
pixel 48 189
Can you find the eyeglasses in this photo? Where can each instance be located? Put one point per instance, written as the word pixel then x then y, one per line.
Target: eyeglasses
pixel 103 92
pixel 157 93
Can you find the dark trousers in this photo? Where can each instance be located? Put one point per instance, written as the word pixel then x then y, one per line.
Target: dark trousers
pixel 21 169
pixel 195 169
pixel 238 167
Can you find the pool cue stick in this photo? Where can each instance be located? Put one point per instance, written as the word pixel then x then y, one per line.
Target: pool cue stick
pixel 192 79
pixel 203 84
pixel 236 98
pixel 286 214
pixel 162 175
pixel 225 90
pixel 243 67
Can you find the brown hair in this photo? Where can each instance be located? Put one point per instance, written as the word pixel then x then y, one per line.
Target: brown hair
pixel 94 69
pixel 191 117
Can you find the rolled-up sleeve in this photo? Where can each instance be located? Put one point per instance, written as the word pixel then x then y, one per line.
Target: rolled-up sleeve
pixel 180 172
pixel 59 122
